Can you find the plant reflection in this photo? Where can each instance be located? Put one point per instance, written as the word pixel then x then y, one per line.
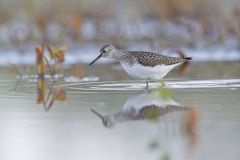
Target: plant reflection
pixel 54 91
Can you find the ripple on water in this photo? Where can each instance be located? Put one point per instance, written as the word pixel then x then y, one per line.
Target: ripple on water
pixel 139 85
pixel 28 90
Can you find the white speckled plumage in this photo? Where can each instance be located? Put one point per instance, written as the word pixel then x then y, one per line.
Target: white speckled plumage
pixel 141 64
pixel 148 73
pixel 140 101
pixel 141 106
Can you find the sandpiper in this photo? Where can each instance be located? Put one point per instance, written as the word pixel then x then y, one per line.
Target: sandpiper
pixel 142 64
pixel 140 107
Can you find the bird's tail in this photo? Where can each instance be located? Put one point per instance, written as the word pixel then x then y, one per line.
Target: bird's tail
pixel 183 55
pixel 187 58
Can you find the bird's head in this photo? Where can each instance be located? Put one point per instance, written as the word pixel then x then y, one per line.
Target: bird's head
pixel 106 120
pixel 106 51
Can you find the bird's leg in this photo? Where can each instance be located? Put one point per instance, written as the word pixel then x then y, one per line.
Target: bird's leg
pixel 147 84
pixel 162 83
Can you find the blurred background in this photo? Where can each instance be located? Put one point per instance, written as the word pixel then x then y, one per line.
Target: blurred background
pixel 48 92
pixel 199 27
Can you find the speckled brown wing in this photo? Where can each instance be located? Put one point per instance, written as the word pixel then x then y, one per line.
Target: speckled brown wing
pixel 153 59
pixel 153 111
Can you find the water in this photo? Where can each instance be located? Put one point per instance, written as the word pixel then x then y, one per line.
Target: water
pixel 70 130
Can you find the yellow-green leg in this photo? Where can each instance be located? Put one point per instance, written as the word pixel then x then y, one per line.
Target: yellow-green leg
pixel 162 83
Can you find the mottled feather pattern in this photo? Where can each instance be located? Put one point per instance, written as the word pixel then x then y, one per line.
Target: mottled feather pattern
pixel 127 58
pixel 152 59
pixel 147 111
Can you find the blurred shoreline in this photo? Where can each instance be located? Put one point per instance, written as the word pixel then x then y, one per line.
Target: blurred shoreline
pixel 83 53
pixel 157 33
pixel 205 30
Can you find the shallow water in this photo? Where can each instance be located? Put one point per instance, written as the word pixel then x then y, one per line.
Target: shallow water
pixel 73 131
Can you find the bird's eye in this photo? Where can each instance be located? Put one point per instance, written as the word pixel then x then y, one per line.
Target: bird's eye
pixel 104 51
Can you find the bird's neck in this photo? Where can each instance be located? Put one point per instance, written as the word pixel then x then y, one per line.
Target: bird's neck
pixel 124 57
pixel 120 54
pixel 120 117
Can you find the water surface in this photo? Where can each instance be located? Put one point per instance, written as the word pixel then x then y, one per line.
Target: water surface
pixel 72 131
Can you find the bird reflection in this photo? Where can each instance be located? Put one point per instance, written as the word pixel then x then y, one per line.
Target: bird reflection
pixel 144 106
pixel 175 136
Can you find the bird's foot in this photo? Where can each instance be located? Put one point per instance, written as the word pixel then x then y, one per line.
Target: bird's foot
pixel 146 85
pixel 162 83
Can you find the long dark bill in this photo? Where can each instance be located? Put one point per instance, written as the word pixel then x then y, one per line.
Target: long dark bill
pixel 100 55
pixel 98 114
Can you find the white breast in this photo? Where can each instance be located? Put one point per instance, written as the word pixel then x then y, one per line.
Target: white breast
pixel 145 99
pixel 153 73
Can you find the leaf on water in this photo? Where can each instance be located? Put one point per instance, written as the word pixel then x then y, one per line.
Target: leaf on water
pixel 60 94
pixel 55 94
